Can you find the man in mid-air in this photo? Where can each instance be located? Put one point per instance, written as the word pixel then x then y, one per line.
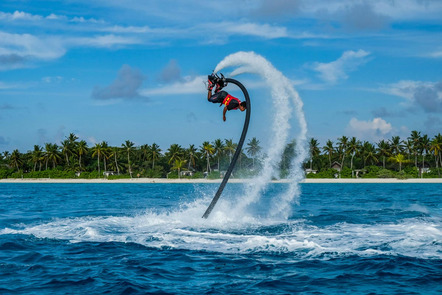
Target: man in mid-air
pixel 222 97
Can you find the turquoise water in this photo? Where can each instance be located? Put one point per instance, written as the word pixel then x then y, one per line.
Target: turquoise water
pixel 151 239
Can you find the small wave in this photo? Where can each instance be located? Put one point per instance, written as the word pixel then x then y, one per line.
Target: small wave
pixel 414 237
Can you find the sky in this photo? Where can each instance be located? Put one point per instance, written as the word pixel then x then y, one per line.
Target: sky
pixel 135 70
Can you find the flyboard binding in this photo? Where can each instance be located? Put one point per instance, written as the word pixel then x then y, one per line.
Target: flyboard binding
pixel 219 81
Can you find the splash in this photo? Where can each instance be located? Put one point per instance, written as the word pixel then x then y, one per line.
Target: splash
pixel 185 230
pixel 286 100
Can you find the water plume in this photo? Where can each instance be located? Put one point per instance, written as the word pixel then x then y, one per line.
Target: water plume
pixel 285 101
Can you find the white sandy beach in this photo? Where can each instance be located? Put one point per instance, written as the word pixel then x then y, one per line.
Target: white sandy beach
pixel 165 180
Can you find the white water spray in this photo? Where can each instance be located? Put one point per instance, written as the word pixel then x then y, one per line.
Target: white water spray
pixel 281 91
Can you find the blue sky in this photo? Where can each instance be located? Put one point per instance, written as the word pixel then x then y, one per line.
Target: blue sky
pixel 134 70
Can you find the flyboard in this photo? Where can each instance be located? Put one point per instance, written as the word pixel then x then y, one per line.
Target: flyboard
pixel 222 82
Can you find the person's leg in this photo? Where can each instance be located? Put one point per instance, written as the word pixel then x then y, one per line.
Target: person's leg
pixel 218 97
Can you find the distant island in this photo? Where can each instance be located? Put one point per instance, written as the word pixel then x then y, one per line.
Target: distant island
pixel 417 156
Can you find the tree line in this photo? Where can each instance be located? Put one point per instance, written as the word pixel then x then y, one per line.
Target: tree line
pixel 416 156
pixel 74 158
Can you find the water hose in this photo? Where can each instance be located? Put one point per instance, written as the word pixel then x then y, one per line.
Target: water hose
pixel 238 149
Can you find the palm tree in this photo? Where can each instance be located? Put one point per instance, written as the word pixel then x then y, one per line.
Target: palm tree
pixel 414 140
pixel 178 165
pixel 436 149
pixel 37 156
pixel 352 149
pixel 97 152
pixel 439 140
pixel 408 148
pixel 105 152
pixel 364 150
pixel 175 152
pixel 114 153
pixel 72 138
pixel 154 153
pixel 370 153
pixel 208 150
pixel 16 160
pixel 191 152
pixel 241 153
pixel 52 154
pixel 128 146
pixel 287 156
pixel 218 148
pixel 396 145
pixel 314 151
pixel 144 152
pixel 253 149
pixel 383 151
pixel 424 147
pixel 6 155
pixel 81 150
pixel 66 150
pixel 230 148
pixel 68 146
pixel 342 148
pixel 399 158
pixel 329 149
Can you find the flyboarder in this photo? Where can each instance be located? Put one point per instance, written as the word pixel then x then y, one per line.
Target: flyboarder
pixel 222 97
pixel 230 103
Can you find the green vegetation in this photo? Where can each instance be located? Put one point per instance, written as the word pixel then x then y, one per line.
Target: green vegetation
pixel 417 156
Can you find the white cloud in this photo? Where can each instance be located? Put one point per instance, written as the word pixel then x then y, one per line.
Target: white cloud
pixel 104 41
pixel 424 95
pixel 337 70
pixel 409 9
pixel 188 85
pixel 192 9
pixel 244 20
pixel 80 19
pixel 53 16
pixel 4 85
pixel 396 10
pixel 37 19
pixel 18 49
pixel 129 29
pixel 19 15
pixel 253 29
pixel 54 79
pixel 404 88
pixel 372 130
pixel 436 54
pixel 28 45
pixel 92 140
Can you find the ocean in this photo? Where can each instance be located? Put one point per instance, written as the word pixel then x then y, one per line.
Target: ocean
pixel 150 239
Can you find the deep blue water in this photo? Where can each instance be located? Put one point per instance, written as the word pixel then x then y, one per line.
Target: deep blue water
pixel 150 238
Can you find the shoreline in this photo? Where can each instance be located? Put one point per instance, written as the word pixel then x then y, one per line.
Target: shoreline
pixel 165 180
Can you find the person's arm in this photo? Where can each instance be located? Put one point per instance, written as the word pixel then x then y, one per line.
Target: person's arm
pixel 224 113
pixel 209 94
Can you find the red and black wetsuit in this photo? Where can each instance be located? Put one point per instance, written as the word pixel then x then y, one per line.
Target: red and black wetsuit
pixel 228 100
